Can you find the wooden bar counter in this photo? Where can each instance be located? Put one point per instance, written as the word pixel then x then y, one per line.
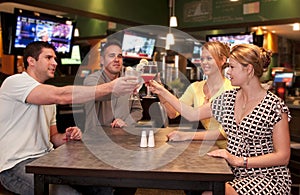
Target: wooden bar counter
pixel 112 157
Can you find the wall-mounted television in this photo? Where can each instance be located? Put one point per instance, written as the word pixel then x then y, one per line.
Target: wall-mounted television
pixel 275 70
pixel 286 77
pixel 32 26
pixel 232 38
pixel 138 45
pixel 197 49
pixel 196 53
pixel 75 58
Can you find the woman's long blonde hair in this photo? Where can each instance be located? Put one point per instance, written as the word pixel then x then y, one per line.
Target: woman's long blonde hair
pixel 219 51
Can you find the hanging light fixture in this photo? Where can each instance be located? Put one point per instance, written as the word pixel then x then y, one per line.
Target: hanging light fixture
pixel 259 31
pixel 173 19
pixel 170 39
pixel 173 23
pixel 76 32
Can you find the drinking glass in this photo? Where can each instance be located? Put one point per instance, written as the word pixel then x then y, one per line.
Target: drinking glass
pixel 132 71
pixel 150 71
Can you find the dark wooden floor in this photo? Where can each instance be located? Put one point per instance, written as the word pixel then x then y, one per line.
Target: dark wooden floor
pixel 4 192
pixel 158 192
pixel 138 192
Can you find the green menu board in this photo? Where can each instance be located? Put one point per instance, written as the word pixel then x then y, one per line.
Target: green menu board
pixel 195 13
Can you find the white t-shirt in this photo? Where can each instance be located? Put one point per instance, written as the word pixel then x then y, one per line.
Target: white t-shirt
pixel 24 129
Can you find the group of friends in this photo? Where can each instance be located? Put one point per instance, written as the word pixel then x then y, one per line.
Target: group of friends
pixel 249 122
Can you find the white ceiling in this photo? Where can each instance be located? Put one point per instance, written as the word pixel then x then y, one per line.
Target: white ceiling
pixel 284 30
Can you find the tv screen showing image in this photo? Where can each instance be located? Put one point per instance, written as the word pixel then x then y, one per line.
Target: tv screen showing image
pixel 137 46
pixel 232 39
pixel 286 77
pixel 275 70
pixel 31 26
pixel 75 58
pixel 196 50
pixel 196 53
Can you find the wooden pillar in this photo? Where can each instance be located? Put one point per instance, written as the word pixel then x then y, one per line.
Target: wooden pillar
pixel 8 64
pixel 7 61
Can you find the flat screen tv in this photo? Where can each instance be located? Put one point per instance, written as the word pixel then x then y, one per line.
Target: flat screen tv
pixel 75 58
pixel 232 39
pixel 275 70
pixel 32 26
pixel 286 77
pixel 196 53
pixel 197 49
pixel 136 45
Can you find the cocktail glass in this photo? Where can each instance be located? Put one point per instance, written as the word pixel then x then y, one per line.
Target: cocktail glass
pixel 150 71
pixel 132 71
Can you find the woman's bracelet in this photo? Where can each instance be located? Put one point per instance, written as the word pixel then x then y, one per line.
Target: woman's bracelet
pixel 245 162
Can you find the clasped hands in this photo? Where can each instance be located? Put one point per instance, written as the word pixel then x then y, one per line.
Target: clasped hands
pixel 73 133
pixel 118 123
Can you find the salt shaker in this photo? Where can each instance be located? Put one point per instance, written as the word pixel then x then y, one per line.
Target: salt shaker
pixel 143 143
pixel 151 142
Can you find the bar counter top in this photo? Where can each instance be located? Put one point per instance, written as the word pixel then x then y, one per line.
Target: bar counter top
pixel 113 157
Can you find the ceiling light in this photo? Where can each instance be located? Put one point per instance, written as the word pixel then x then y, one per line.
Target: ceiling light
pixel 173 21
pixel 259 31
pixel 76 32
pixel 296 27
pixel 170 39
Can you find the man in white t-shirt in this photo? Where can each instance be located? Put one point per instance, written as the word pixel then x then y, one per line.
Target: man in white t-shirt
pixel 27 130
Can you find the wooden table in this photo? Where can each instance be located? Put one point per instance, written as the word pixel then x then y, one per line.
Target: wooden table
pixel 112 157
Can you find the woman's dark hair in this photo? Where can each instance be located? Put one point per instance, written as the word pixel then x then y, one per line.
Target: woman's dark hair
pixel 34 49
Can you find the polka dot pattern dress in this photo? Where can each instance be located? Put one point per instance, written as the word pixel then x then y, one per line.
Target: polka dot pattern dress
pixel 253 137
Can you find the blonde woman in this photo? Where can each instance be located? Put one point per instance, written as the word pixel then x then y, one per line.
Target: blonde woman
pixel 213 60
pixel 255 122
